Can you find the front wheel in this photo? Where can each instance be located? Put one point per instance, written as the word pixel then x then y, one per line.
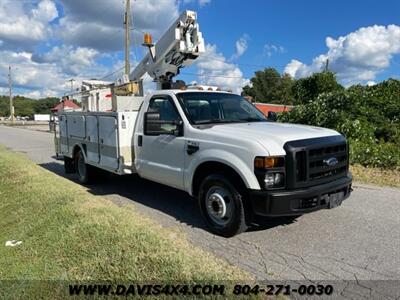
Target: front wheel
pixel 222 206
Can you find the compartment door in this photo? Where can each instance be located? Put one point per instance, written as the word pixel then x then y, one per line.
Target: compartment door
pixel 108 138
pixel 63 134
pixel 92 136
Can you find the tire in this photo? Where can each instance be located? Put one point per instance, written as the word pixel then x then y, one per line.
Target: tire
pixel 69 166
pixel 83 170
pixel 222 207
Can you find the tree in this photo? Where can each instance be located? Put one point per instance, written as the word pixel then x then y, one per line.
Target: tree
pixel 270 86
pixel 308 88
pixel 27 107
pixel 43 106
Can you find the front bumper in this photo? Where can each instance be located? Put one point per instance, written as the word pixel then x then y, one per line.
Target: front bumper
pixel 301 201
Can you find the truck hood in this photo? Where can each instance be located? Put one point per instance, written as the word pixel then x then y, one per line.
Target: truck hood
pixel 272 136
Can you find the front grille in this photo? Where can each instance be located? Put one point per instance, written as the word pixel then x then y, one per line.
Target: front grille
pixel 315 161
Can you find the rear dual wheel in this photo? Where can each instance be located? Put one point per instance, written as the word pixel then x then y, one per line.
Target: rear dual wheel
pixel 84 171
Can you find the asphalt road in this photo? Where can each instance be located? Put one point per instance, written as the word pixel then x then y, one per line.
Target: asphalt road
pixel 360 240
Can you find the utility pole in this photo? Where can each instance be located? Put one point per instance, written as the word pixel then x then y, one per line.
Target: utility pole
pixel 327 65
pixel 11 97
pixel 72 85
pixel 127 23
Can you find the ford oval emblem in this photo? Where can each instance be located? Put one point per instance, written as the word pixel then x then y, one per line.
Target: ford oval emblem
pixel 330 162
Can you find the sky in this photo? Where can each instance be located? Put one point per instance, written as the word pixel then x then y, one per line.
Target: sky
pixel 49 42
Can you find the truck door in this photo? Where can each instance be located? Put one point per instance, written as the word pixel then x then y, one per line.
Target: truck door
pixel 108 139
pixel 161 157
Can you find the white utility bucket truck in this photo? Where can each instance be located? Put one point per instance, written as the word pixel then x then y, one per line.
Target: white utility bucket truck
pixel 214 145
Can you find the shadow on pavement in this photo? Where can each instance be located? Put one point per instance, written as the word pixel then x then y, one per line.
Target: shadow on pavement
pixel 173 202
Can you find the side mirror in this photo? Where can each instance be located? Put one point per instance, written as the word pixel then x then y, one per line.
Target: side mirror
pixel 272 116
pixel 154 126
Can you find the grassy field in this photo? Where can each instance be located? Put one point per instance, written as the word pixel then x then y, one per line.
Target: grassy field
pixel 69 234
pixel 376 176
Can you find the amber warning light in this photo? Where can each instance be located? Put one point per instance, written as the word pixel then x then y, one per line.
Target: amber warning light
pixel 147 40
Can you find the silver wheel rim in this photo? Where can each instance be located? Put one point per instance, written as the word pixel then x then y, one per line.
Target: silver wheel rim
pixel 219 205
pixel 81 166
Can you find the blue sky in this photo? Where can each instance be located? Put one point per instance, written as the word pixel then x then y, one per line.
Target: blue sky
pixel 48 42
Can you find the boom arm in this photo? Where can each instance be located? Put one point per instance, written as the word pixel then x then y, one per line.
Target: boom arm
pixel 181 44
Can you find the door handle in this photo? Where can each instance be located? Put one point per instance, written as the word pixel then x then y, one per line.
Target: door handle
pixel 140 141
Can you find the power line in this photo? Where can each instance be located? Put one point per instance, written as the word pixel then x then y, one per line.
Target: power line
pixel 222 76
pixel 249 65
pixel 112 73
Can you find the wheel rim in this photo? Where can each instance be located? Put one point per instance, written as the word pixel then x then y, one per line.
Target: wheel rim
pixel 81 166
pixel 219 205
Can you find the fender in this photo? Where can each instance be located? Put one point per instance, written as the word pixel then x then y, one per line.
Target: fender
pixel 82 148
pixel 221 156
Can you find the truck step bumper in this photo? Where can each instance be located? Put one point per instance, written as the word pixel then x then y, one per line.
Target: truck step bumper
pixel 301 201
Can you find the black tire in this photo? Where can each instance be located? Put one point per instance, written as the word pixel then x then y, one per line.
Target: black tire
pixel 224 191
pixel 69 166
pixel 84 171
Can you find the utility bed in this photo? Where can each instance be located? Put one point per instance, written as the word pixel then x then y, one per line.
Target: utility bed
pixel 107 138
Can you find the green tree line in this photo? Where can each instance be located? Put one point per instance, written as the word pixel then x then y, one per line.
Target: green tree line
pixel 27 107
pixel 369 116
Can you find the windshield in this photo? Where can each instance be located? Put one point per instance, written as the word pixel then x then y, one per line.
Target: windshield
pixel 207 108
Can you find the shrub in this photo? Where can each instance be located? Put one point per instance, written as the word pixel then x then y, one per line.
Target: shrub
pixel 369 117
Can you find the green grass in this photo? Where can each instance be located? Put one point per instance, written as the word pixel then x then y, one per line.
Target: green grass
pixel 382 177
pixel 70 234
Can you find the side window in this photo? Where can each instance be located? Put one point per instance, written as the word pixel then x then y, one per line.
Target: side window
pixel 165 107
pixel 168 116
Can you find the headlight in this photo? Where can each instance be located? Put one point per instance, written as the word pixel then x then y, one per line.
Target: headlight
pixel 273 180
pixel 270 171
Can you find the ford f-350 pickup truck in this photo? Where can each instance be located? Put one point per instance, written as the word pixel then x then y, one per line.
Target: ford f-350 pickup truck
pixel 217 147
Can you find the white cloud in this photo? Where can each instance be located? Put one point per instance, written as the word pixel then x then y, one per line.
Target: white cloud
pixel 215 70
pixel 100 26
pixel 204 2
pixel 72 61
pixel 35 94
pixel 44 78
pixel 201 3
pixel 46 11
pixel 22 24
pixel 356 57
pixel 241 46
pixel 270 49
pixel 25 72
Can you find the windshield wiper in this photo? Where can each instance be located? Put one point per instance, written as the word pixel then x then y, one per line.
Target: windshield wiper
pixel 253 120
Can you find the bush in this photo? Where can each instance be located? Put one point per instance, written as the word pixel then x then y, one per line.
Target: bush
pixel 369 117
pixel 383 155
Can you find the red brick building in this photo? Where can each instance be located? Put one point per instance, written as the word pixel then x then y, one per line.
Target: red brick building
pixel 266 107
